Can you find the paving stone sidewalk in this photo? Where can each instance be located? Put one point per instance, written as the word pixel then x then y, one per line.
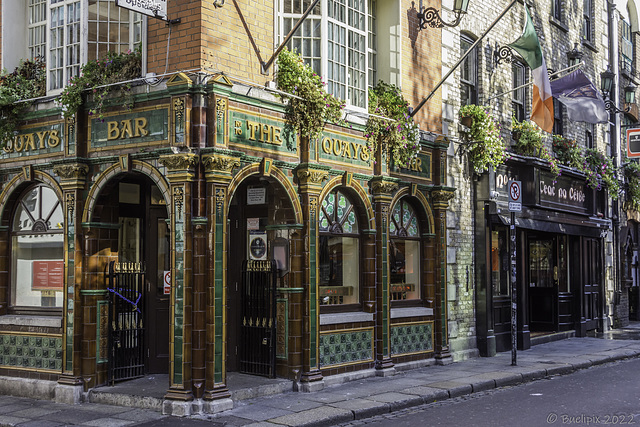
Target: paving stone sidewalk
pixel 349 401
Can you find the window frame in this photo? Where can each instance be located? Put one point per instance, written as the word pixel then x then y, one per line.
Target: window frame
pixel 558 117
pixel 470 63
pixel 333 231
pixel 587 20
pixel 58 205
pixel 556 10
pixel 286 18
pixel 402 234
pixel 518 99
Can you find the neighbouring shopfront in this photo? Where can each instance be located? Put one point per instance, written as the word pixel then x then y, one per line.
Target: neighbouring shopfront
pixel 195 235
pixel 559 255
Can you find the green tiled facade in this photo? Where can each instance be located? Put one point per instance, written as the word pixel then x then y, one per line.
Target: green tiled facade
pixel 345 348
pixel 412 338
pixel 31 352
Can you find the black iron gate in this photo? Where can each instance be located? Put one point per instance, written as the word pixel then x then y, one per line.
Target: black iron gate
pixel 125 283
pixel 258 331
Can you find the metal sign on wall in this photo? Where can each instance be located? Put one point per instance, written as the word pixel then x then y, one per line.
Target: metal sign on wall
pixel 633 142
pixel 154 8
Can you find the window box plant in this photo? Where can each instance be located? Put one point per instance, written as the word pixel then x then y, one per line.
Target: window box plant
pixel 600 172
pixel 567 151
pixel 631 172
pixel 529 141
pixel 485 147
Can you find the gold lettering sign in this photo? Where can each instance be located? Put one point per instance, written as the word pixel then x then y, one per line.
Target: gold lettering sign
pixel 415 165
pixel 262 132
pixel 346 149
pixel 33 141
pixel 129 128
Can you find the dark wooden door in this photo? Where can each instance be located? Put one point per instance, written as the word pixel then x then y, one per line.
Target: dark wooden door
pixel 157 256
pixel 543 288
pixel 591 302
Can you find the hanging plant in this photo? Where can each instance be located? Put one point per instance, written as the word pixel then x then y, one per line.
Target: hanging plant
pixel 632 176
pixel 309 114
pixel 485 147
pixel 528 138
pixel 26 82
pixel 600 172
pixel 93 78
pixel 567 151
pixel 398 138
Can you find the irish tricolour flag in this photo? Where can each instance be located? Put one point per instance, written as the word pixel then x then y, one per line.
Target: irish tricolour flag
pixel 529 47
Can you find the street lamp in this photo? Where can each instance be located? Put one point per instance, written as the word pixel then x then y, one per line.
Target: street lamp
pixel 606 84
pixel 574 56
pixel 431 17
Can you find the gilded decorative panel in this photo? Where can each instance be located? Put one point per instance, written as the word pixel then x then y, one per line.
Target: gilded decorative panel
pixel 412 338
pixel 282 328
pixel 344 348
pixel 31 352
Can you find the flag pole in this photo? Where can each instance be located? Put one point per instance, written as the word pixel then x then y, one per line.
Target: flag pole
pixel 578 65
pixel 457 64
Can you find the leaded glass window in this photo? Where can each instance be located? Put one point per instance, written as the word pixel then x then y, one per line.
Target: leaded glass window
pixel 404 253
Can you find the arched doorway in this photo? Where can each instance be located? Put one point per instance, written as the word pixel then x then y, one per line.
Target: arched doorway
pixel 260 222
pixel 135 211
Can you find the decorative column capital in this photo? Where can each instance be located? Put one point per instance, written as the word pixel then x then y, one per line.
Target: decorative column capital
pixel 72 175
pixel 311 176
pixel 383 185
pixel 180 167
pixel 219 167
pixel 441 198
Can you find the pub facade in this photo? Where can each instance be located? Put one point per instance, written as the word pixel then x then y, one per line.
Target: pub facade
pixel 559 262
pixel 195 235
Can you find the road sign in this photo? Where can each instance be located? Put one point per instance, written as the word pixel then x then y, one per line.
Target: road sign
pixel 633 142
pixel 515 196
pixel 167 282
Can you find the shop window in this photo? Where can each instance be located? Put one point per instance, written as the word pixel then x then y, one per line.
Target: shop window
pixel 404 253
pixel 67 33
pixel 468 73
pixel 339 251
pixel 349 62
pixel 37 255
pixel 500 261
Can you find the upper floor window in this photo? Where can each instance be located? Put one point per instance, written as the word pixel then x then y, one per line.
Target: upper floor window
pixel 558 124
pixel 37 252
pixel 339 251
pixel 517 102
pixel 556 9
pixel 626 47
pixel 468 73
pixel 404 253
pixel 588 136
pixel 68 33
pixel 587 21
pixel 345 32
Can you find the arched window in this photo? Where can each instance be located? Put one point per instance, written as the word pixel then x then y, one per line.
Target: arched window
pixel 37 256
pixel 404 253
pixel 339 251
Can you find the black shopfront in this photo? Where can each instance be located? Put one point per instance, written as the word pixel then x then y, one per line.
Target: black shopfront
pixel 560 257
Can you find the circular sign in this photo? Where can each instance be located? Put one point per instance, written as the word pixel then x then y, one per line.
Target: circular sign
pixel 514 190
pixel 258 247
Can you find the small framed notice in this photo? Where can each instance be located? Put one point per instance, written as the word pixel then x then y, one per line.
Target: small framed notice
pixel 256 196
pixel 253 223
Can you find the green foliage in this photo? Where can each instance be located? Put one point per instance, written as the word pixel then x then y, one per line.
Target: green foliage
pixel 309 114
pixel 599 171
pixel 399 138
pixel 114 68
pixel 632 175
pixel 26 82
pixel 486 146
pixel 567 151
pixel 528 137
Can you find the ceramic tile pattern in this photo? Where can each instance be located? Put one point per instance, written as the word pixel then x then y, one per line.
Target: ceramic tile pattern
pixel 412 338
pixel 31 352
pixel 345 347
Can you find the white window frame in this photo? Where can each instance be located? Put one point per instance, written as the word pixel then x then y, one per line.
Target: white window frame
pixel 369 52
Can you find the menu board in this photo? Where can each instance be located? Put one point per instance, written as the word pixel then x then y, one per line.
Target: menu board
pixel 48 276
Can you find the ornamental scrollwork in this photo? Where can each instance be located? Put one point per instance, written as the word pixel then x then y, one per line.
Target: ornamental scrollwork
pixel 178 108
pixel 384 187
pixel 71 171
pixel 176 162
pixel 178 200
pixel 309 176
pixel 220 198
pixel 220 163
pixel 442 196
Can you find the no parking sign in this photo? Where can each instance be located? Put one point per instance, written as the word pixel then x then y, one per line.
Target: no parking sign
pixel 167 282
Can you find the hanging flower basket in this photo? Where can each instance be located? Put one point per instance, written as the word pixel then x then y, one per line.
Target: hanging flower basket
pixel 485 146
pixel 466 121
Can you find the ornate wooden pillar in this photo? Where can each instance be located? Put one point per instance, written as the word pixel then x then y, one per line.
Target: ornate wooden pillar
pixel 72 180
pixel 441 199
pixel 310 178
pixel 218 173
pixel 180 174
pixel 382 188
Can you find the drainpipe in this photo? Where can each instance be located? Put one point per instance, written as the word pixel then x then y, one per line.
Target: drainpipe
pixel 615 149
